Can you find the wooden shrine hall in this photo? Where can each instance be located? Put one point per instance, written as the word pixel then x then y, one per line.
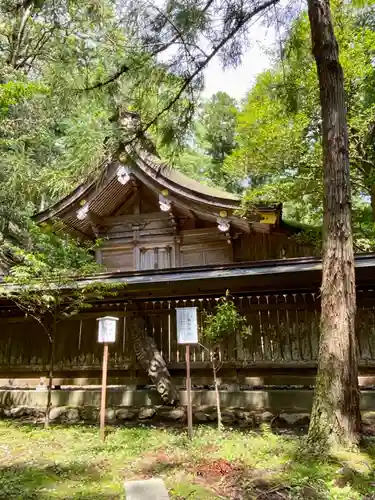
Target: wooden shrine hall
pixel 176 242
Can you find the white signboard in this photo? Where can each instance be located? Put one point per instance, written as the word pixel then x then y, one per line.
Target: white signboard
pixel 107 327
pixel 187 325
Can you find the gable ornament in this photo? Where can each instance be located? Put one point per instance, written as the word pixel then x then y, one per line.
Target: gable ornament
pixel 123 174
pixel 164 203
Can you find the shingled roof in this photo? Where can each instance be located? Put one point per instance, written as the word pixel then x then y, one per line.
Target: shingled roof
pixel 105 193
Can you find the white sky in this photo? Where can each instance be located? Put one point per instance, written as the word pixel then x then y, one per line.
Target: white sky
pixel 237 81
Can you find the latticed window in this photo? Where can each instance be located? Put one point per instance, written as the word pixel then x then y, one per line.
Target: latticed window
pixel 155 258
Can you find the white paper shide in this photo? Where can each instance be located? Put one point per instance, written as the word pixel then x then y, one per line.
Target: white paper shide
pixel 187 325
pixel 107 327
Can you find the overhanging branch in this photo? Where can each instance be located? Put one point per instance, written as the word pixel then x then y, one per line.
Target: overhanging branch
pixel 126 67
pixel 245 19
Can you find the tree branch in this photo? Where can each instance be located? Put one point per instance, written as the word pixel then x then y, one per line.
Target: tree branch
pixel 37 318
pixel 125 67
pixel 18 38
pixel 36 50
pixel 175 28
pixel 202 65
pixel 241 23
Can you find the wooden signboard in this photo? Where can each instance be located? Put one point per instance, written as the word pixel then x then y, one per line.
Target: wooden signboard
pixel 187 333
pixel 107 327
pixel 107 330
pixel 187 325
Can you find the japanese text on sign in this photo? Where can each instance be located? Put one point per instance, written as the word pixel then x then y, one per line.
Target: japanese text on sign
pixel 187 325
pixel 107 329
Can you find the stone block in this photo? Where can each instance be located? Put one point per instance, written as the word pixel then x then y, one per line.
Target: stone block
pixel 18 412
pixel 71 416
pixel 56 414
pixel 146 489
pixel 205 414
pixel 265 417
pixel 228 416
pixel 146 413
pixel 172 414
pixel 368 417
pixel 295 419
pixel 126 414
pixel 89 414
pixel 110 415
pixel 245 416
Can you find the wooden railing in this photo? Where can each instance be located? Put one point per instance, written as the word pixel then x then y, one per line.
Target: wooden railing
pixel 283 329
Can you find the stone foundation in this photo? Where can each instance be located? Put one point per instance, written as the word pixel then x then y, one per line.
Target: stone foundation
pixel 280 408
pixel 236 417
pixel 155 414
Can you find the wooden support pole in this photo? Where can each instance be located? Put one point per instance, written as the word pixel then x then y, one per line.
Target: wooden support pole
pixel 104 391
pixel 188 389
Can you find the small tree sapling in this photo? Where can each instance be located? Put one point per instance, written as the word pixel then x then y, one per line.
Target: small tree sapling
pixel 223 323
pixel 45 284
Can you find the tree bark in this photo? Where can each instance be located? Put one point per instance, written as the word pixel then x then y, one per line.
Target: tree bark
pixel 335 418
pixel 373 202
pixel 217 394
pixel 152 361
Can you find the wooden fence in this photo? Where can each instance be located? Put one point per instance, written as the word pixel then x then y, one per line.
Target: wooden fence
pixel 283 329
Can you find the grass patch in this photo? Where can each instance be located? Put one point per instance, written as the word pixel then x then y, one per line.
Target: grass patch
pixel 71 463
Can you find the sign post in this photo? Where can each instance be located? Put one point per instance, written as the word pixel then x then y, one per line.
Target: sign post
pixel 187 333
pixel 188 390
pixel 106 334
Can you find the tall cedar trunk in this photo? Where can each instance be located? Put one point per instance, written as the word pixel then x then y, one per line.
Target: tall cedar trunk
pixel 373 202
pixel 335 418
pixel 152 361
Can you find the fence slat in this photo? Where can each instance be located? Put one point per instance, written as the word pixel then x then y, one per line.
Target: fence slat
pixel 282 328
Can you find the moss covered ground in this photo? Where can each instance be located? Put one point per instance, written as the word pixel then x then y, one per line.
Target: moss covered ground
pixel 71 463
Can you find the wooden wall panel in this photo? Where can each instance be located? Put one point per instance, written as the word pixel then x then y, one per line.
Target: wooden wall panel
pixel 23 343
pixel 120 259
pixel 282 330
pixel 267 246
pixel 67 344
pixel 203 255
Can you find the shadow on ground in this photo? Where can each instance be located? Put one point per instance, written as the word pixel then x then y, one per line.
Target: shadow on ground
pixel 38 482
pixel 72 464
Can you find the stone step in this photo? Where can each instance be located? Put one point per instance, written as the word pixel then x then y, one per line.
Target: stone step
pixel 146 489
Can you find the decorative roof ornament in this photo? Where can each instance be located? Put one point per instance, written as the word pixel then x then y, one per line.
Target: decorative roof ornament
pixel 223 224
pixel 83 211
pixel 164 203
pixel 123 174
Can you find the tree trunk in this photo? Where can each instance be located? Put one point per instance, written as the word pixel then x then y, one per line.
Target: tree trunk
pixel 335 418
pixel 152 361
pixel 50 372
pixel 217 394
pixel 373 202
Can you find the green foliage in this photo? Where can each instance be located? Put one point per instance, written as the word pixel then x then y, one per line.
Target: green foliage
pixel 224 322
pixel 135 56
pixel 55 134
pixel 52 135
pixel 218 122
pixel 69 462
pixel 45 283
pixel 12 93
pixel 307 235
pixel 210 142
pixel 278 130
